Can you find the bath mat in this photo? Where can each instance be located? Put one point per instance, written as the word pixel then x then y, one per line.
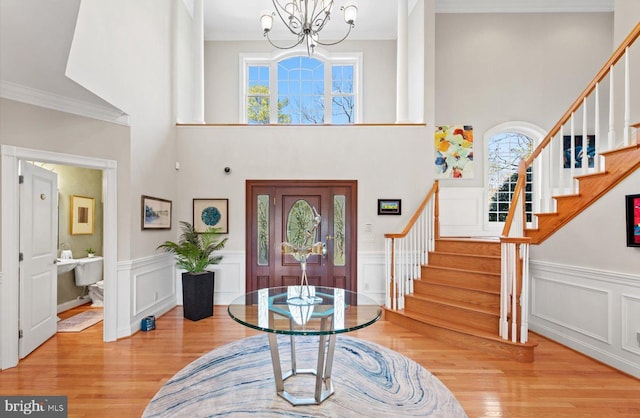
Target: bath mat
pixel 236 380
pixel 81 321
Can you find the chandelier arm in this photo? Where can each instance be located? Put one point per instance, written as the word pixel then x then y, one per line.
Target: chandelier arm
pixel 300 39
pixel 295 21
pixel 336 42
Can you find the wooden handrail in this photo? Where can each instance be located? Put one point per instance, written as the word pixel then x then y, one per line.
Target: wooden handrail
pixel 615 57
pixel 414 218
pixel 604 71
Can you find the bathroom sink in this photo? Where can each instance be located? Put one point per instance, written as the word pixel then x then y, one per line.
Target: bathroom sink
pixel 66 265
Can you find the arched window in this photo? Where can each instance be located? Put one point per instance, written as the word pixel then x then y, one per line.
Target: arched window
pixel 323 89
pixel 507 145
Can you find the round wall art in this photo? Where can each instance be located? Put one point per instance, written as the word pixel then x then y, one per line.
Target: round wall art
pixel 209 213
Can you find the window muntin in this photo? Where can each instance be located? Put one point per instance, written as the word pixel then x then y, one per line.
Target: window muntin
pixel 258 94
pixel 505 151
pixel 298 90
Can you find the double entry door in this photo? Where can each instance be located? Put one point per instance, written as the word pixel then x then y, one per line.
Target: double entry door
pixel 280 211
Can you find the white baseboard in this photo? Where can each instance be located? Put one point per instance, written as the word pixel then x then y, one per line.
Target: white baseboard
pixel 73 303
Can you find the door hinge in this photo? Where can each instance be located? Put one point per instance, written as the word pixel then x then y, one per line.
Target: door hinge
pixel 20 257
pixel 20 334
pixel 20 179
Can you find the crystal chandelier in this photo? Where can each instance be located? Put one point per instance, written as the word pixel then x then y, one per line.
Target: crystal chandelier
pixel 305 19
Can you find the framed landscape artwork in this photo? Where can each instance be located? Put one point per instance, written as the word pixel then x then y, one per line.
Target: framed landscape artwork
pixel 633 220
pixel 156 213
pixel 211 213
pixel 389 207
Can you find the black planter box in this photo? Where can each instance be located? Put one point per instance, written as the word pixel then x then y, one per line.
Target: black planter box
pixel 197 295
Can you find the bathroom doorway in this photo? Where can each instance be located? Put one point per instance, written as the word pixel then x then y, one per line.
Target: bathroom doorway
pixel 9 306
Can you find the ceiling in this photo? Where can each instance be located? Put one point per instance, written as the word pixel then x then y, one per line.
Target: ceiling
pixel 35 36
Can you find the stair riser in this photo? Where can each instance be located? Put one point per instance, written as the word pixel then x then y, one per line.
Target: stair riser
pixel 482 299
pixel 503 349
pixel 474 319
pixel 468 247
pixel 464 279
pixel 487 264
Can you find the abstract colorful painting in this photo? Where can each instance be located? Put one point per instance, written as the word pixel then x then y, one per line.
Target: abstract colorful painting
pixel 633 220
pixel 454 151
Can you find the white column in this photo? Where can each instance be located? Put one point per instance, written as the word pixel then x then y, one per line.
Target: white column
pixel 402 76
pixel 198 42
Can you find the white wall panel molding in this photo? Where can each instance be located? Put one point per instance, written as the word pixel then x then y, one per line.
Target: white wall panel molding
pixel 371 281
pixel 630 338
pixel 229 279
pixel 583 309
pixel 25 94
pixel 148 284
pixel 593 311
pixel 608 276
pixel 461 211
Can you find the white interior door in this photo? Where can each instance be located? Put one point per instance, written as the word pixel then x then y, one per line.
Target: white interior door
pixel 38 247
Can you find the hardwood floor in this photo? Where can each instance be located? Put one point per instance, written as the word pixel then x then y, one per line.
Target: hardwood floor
pixel 119 378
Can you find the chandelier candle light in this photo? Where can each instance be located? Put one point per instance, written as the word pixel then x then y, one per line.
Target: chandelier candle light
pixel 305 19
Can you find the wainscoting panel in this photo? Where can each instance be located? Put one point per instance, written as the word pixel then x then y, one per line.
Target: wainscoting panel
pixel 146 286
pixel 630 326
pixel 592 311
pixel 371 280
pixel 461 211
pixel 549 302
pixel 229 281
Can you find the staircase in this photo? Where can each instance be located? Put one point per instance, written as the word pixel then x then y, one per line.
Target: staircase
pixel 475 293
pixel 619 164
pixel 457 300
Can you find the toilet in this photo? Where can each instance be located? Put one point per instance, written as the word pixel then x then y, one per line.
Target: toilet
pixel 88 272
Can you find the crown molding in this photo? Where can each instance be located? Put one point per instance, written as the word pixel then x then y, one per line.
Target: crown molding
pixel 524 6
pixel 29 95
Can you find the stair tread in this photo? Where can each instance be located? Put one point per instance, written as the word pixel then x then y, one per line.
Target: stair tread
pixel 460 269
pixel 465 254
pixel 460 328
pixel 455 303
pixel 455 286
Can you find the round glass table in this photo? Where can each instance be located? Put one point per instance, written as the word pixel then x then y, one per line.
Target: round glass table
pixel 305 310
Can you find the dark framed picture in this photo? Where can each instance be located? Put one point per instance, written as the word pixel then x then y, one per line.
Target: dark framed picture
pixel 156 213
pixel 211 213
pixel 633 220
pixel 82 215
pixel 389 207
pixel 578 150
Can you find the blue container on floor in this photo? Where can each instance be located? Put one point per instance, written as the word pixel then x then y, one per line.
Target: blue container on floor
pixel 148 323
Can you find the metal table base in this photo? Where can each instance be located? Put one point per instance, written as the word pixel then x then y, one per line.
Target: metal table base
pixel 322 372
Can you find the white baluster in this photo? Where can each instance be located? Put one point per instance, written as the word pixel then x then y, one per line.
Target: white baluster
pixel 560 141
pixel 596 142
pixel 572 160
pixel 612 129
pixel 585 138
pixel 627 100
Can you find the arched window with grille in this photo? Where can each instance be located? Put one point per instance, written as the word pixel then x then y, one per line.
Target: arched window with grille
pixel 507 145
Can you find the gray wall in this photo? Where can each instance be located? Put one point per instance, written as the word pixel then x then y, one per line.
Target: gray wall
pixel 496 68
pixel 35 127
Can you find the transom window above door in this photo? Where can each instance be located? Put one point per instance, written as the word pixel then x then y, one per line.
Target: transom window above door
pixel 305 90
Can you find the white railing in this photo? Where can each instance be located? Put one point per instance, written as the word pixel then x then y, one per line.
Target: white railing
pixel 407 251
pixel 557 160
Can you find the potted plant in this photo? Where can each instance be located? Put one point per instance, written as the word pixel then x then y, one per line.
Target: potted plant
pixel 90 252
pixel 194 253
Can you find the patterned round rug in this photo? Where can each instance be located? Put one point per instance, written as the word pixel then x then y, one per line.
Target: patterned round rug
pixel 369 380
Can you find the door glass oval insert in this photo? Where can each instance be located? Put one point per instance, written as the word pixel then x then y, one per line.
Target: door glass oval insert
pixel 299 222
